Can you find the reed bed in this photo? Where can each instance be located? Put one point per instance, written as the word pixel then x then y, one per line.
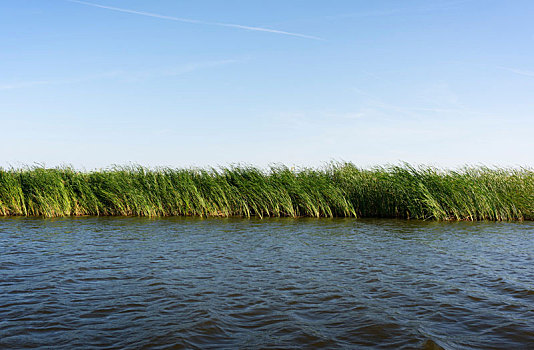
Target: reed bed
pixel 336 190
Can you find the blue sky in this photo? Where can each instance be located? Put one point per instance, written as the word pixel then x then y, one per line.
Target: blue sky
pixel 207 83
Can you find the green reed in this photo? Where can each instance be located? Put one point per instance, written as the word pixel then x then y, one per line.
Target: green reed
pixel 336 190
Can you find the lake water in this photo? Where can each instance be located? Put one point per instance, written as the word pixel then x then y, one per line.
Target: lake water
pixel 120 283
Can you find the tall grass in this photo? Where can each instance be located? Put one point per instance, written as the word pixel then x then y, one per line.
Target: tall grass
pixel 472 193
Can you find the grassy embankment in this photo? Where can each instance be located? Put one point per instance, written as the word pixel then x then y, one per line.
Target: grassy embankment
pixel 475 193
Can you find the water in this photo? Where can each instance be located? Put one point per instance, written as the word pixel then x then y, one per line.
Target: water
pixel 277 283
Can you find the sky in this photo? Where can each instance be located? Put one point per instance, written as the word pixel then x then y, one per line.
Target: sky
pixel 303 82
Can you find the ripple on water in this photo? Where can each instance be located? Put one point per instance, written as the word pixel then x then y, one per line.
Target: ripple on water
pixel 274 283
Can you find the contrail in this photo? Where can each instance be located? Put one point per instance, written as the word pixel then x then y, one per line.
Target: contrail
pixel 187 20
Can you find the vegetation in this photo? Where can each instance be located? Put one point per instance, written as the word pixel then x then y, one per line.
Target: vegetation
pixel 473 193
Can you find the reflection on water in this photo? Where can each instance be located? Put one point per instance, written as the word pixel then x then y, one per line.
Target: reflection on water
pixel 274 283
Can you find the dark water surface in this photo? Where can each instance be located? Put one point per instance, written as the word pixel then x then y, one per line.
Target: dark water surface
pixel 275 283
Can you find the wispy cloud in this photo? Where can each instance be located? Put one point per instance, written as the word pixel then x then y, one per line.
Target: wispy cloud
pixel 124 75
pixel 24 84
pixel 174 71
pixel 403 11
pixel 56 81
pixel 526 73
pixel 375 106
pixel 188 20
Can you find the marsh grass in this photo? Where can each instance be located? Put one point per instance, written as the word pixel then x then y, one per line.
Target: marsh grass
pixel 337 190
